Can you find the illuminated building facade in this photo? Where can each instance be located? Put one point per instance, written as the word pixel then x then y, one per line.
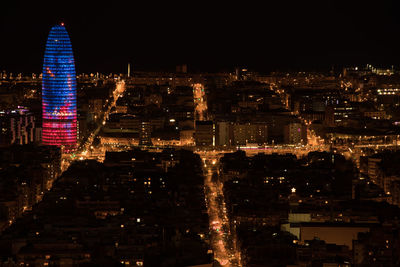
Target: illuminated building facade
pixel 145 133
pixel 18 127
pixel 295 133
pixel 250 133
pixel 59 91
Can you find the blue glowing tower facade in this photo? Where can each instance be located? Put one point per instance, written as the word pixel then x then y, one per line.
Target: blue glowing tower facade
pixel 59 91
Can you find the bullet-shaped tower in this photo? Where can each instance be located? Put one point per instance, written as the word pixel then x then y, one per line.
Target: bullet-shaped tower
pixel 59 91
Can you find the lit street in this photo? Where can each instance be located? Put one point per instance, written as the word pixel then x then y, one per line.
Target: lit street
pixel 224 242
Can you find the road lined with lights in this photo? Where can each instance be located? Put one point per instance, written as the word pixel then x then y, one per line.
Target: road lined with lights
pixel 223 239
pixel 117 93
pixel 86 148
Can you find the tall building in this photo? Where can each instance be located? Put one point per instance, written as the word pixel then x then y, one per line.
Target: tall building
pixel 59 91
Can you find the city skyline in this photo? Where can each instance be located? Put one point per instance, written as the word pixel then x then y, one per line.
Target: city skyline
pixel 189 134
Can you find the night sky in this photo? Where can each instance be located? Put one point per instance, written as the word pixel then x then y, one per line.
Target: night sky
pixel 279 35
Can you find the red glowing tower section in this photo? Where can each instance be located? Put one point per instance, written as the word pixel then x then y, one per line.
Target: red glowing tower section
pixel 59 91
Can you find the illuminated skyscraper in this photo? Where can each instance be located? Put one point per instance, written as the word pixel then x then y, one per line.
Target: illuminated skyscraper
pixel 59 91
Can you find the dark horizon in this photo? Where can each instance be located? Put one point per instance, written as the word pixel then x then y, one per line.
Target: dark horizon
pixel 281 36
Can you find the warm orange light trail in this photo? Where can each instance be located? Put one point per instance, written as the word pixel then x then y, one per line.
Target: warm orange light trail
pixel 224 242
pixel 199 101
